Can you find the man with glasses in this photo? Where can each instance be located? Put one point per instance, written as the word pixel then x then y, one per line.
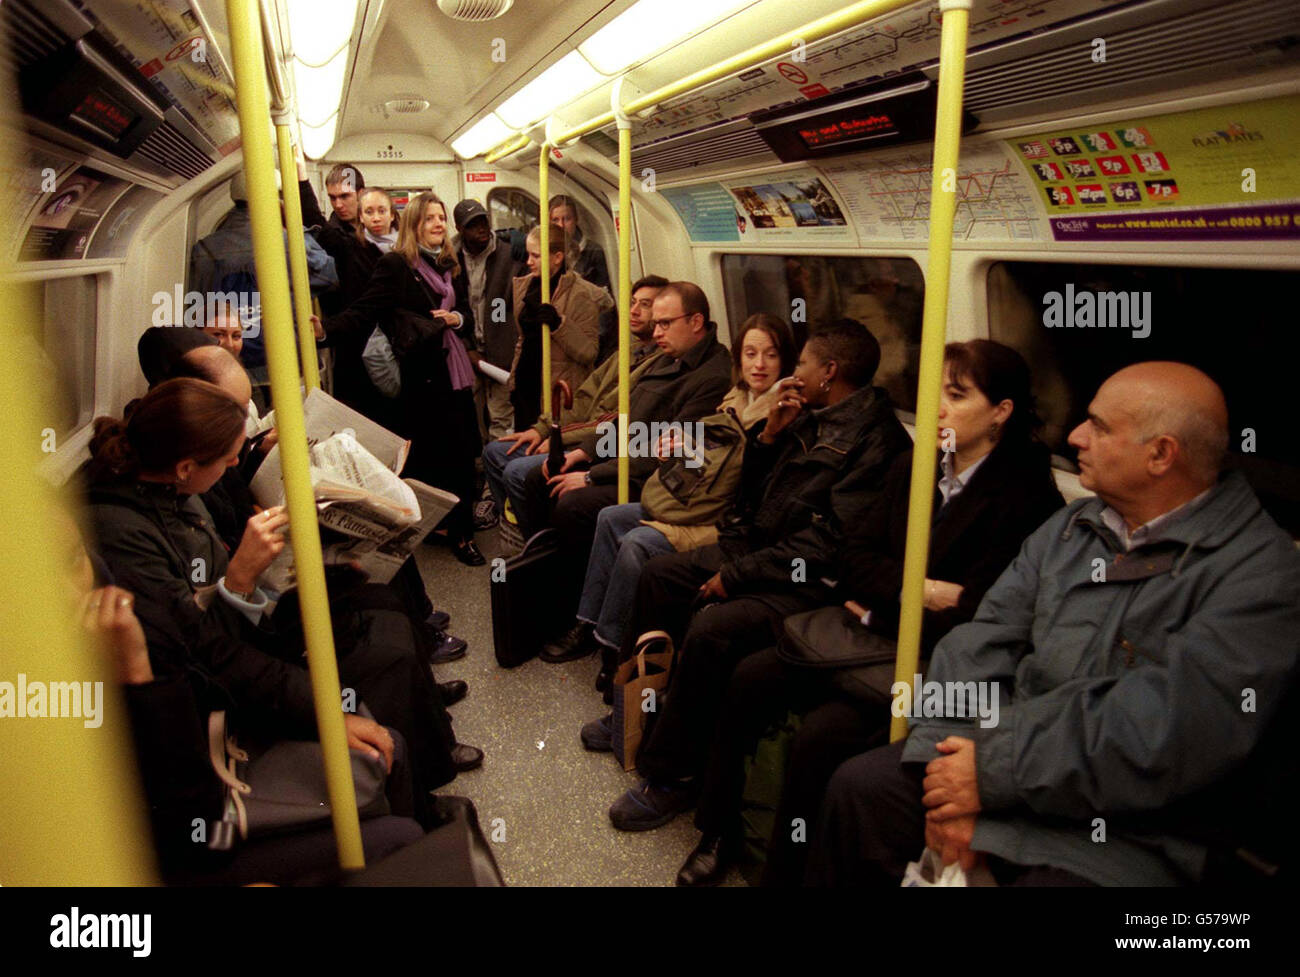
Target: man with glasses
pixel 685 384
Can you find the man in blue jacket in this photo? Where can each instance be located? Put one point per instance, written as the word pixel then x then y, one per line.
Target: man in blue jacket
pixel 1140 648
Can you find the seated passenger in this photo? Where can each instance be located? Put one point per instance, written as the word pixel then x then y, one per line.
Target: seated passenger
pixel 159 543
pixel 994 488
pixel 625 540
pixel 505 465
pixel 1138 650
pixel 225 327
pixel 168 713
pixel 808 476
pixel 572 316
pixel 230 504
pixel 685 384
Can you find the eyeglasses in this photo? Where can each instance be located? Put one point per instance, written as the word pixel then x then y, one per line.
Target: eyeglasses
pixel 665 323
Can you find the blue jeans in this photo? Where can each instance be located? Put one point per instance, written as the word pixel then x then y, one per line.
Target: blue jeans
pixel 506 473
pixel 621 548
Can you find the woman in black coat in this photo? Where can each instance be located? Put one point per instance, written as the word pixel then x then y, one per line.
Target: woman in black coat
pixel 994 488
pixel 419 298
pixel 201 608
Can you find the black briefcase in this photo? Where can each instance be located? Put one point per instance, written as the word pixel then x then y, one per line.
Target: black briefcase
pixel 532 599
pixel 453 853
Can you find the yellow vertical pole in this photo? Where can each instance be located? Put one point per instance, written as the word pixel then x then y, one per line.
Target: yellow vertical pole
pixel 943 207
pixel 297 258
pixel 273 282
pixel 69 807
pixel 544 192
pixel 624 290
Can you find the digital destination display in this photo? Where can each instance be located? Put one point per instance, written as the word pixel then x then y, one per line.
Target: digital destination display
pixel 848 129
pixel 101 112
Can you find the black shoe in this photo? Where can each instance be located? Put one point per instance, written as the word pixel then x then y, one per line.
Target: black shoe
pixel 446 647
pixel 708 864
pixel 578 642
pixel 466 757
pixel 598 735
pixel 438 620
pixel 605 679
pixel 468 553
pixel 453 691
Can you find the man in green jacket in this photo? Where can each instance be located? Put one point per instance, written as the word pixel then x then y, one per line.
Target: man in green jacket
pixel 508 461
pixel 1134 661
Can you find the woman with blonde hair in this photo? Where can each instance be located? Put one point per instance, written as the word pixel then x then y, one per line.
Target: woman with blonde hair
pixel 420 301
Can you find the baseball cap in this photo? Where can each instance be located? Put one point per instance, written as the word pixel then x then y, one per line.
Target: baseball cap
pixel 466 211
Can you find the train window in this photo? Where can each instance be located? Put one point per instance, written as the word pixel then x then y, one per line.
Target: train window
pixel 512 209
pixel 1078 323
pixel 63 349
pixel 885 294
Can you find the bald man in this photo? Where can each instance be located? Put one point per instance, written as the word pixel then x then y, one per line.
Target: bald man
pixel 1141 652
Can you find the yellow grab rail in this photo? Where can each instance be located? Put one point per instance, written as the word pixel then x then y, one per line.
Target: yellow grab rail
pixel 273 282
pixel 624 291
pixel 544 268
pixel 507 148
pixel 69 808
pixel 815 30
pixel 297 258
pixel 943 207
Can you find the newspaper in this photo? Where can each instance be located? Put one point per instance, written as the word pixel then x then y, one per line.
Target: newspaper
pixel 324 417
pixel 354 469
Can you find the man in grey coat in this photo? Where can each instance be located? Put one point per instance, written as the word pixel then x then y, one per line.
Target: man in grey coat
pixel 1114 714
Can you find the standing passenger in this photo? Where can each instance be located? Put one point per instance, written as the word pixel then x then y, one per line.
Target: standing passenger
pixel 489 269
pixel 572 316
pixel 418 297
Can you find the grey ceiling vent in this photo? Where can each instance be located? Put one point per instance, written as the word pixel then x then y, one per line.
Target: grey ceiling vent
pixel 1213 43
pixel 738 144
pixel 406 105
pixel 475 10
pixel 167 148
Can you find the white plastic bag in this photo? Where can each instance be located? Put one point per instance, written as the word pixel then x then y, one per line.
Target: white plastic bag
pixel 930 871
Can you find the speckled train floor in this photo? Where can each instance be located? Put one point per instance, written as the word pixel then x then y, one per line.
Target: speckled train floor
pixel 542 799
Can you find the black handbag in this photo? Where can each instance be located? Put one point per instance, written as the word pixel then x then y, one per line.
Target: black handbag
pixel 858 662
pixel 532 599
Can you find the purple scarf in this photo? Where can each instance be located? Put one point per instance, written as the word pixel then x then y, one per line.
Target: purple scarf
pixel 458 364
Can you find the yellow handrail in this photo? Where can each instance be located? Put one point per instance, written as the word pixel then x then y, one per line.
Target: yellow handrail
pixel 297 258
pixel 624 298
pixel 273 282
pixel 943 207
pixel 815 30
pixel 507 148
pixel 69 808
pixel 544 269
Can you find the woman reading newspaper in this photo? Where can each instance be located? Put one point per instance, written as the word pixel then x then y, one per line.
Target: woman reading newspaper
pixel 158 541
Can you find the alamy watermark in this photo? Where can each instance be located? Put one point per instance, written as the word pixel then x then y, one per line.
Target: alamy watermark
pixel 643 438
pixel 198 309
pixel 53 700
pixel 1086 309
pixel 946 700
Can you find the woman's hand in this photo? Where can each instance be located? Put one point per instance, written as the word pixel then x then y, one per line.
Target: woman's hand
pixel 262 542
pixel 317 329
pixel 940 595
pixel 452 320
pixel 110 612
pixel 789 402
